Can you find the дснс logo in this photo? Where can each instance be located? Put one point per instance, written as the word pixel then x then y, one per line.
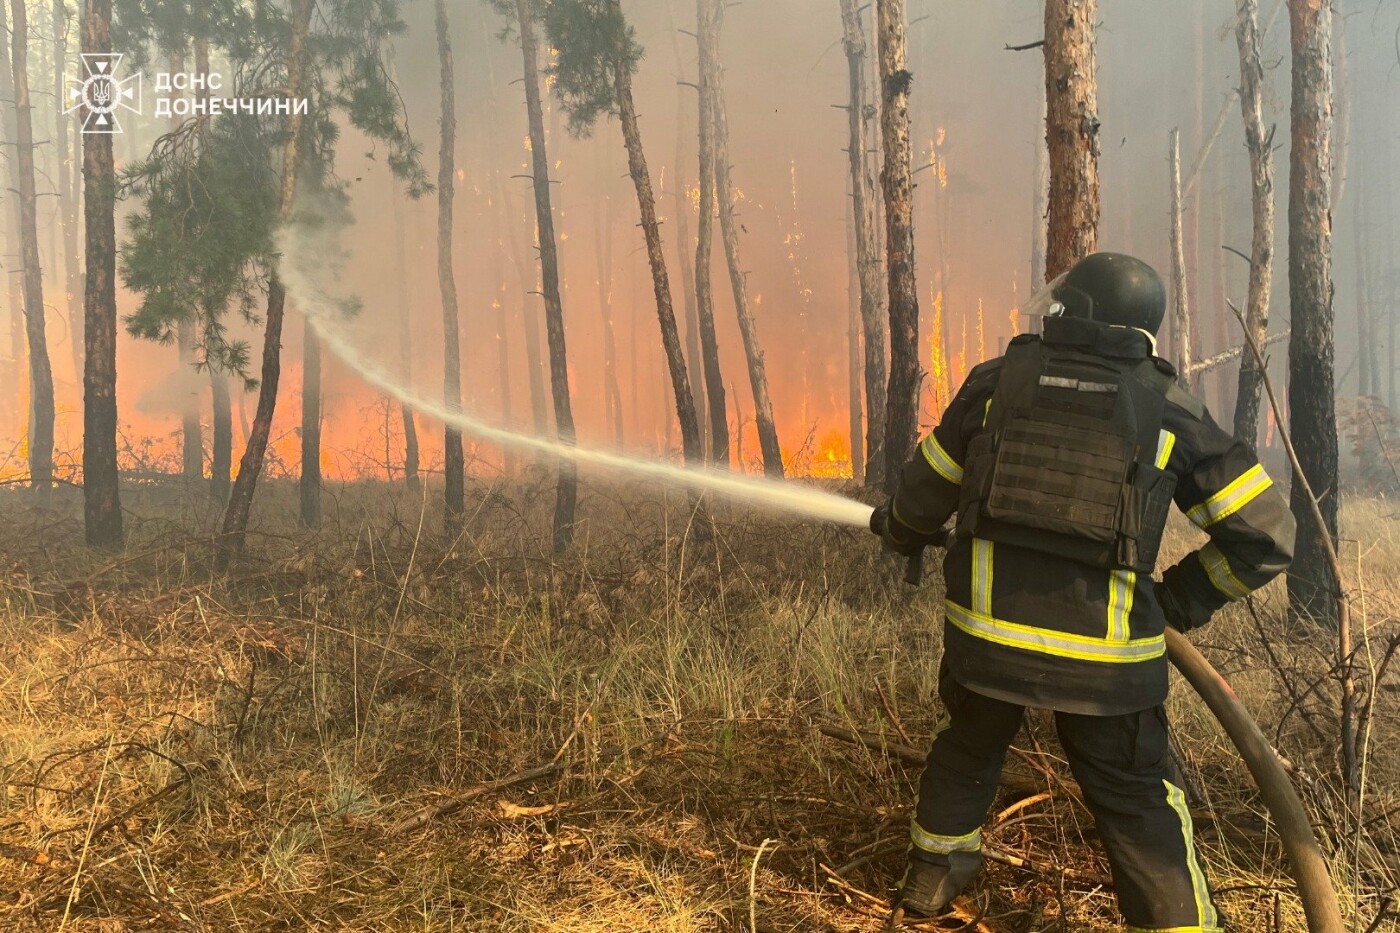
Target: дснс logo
pixel 100 93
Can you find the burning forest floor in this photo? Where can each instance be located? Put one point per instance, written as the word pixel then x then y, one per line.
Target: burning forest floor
pixel 375 728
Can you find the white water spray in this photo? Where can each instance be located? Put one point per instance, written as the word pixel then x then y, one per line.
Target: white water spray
pixel 321 310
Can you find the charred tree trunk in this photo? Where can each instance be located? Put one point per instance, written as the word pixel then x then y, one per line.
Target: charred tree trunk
pixel 724 192
pixel 1259 142
pixel 855 402
pixel 867 254
pixel 41 400
pixel 240 501
pixel 1181 300
pixel 405 315
pixel 567 497
pixel 67 179
pixel 454 460
pixel 102 511
pixel 1071 132
pixel 706 38
pixel 902 413
pixel 1311 392
pixel 691 444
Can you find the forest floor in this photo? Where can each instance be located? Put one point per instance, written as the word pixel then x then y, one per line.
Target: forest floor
pixel 373 727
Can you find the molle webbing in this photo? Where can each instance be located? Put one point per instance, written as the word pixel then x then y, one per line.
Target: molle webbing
pixel 1065 464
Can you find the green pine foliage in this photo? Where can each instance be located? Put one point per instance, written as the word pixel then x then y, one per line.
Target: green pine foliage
pixel 592 37
pixel 201 244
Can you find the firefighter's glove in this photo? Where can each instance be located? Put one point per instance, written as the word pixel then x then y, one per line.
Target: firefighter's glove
pixel 897 537
pixel 1182 613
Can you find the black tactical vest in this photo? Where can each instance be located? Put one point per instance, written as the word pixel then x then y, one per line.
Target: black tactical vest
pixel 1066 463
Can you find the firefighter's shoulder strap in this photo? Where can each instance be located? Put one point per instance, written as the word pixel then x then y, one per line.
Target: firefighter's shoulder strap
pixel 1066 461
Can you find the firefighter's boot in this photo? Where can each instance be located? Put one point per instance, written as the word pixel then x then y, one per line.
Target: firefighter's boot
pixel 928 888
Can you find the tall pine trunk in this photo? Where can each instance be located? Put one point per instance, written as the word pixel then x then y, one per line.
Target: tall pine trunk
pixel 454 461
pixel 1181 296
pixel 897 180
pixel 1071 132
pixel 1311 396
pixel 405 317
pixel 691 444
pixel 705 37
pixel 16 380
pixel 102 511
pixel 41 400
pixel 748 329
pixel 240 501
pixel 309 483
pixel 191 431
pixel 567 495
pixel 1259 142
pixel 67 178
pixel 686 258
pixel 221 442
pixel 221 462
pixel 867 255
pixel 855 402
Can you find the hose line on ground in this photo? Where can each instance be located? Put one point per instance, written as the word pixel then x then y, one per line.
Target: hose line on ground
pixel 1309 866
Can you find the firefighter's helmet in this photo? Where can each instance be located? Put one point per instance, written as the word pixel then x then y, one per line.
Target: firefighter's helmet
pixel 1111 288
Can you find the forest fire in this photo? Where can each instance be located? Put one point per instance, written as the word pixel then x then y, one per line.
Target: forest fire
pixel 444 437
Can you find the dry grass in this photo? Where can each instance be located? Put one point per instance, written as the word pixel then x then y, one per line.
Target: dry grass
pixel 185 752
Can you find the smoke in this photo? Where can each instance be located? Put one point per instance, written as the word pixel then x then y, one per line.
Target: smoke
pixel 174 394
pixel 312 254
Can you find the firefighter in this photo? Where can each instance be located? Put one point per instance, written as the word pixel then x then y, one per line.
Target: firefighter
pixel 1061 460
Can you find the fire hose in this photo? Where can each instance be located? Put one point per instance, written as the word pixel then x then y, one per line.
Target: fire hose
pixel 1306 861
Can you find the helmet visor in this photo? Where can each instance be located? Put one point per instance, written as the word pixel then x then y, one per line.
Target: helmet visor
pixel 1043 302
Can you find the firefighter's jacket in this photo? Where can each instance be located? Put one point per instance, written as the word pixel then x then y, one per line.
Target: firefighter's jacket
pixel 1040 629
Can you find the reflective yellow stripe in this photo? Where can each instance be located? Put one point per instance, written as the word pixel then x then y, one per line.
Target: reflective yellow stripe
pixel 1195 929
pixel 1122 584
pixel 986 412
pixel 1218 569
pixel 1205 910
pixel 982 576
pixel 1232 498
pixel 938 458
pixel 942 845
pixel 1056 644
pixel 1165 442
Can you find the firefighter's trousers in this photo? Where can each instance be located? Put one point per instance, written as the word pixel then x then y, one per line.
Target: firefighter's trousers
pixel 1122 765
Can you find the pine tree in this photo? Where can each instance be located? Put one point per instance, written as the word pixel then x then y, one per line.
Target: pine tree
pixel 1071 132
pixel 902 411
pixel 41 397
pixel 1311 354
pixel 598 55
pixel 102 511
pixel 1258 141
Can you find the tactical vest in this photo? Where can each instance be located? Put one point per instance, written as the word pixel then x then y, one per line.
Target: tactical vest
pixel 1066 463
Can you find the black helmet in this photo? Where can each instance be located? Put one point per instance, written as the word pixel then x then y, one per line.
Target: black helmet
pixel 1114 289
